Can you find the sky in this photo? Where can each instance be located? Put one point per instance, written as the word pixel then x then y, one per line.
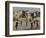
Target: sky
pixel 26 8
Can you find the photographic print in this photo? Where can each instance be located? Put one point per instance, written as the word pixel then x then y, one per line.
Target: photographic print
pixel 24 18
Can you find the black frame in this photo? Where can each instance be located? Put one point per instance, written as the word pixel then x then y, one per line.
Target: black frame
pixel 7 18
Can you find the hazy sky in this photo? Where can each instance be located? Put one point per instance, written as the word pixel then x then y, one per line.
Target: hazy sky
pixel 26 8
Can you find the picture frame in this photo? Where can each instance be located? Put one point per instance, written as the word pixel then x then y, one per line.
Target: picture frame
pixel 12 27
